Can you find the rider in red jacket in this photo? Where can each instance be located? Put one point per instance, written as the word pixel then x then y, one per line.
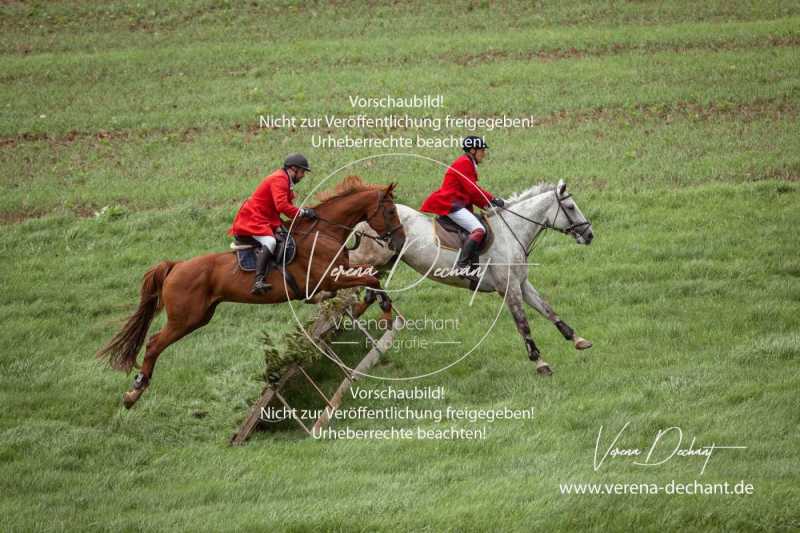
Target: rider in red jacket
pixel 459 192
pixel 260 214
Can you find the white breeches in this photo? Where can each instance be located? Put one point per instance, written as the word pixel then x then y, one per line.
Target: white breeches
pixel 268 241
pixel 466 220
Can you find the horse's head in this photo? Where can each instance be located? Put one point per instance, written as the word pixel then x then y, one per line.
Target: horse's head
pixel 568 217
pixel 382 217
pixel 352 201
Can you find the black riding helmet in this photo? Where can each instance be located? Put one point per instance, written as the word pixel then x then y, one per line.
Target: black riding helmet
pixel 473 141
pixel 297 160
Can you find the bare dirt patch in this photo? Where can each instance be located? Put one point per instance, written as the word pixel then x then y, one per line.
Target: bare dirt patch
pixel 776 109
pixel 558 54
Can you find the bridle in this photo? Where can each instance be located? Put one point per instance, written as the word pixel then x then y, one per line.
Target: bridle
pixel 383 239
pixel 572 229
pixel 386 236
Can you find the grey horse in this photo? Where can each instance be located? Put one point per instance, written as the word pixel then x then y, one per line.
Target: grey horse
pixel 503 268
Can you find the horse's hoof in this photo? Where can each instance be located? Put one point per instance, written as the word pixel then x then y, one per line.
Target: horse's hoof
pixel 582 344
pixel 544 370
pixel 130 398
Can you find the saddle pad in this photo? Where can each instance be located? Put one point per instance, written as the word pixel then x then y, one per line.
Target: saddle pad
pixel 451 236
pixel 246 259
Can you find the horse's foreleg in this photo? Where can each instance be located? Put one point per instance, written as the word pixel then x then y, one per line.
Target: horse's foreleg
pixel 514 303
pixel 535 300
pixel 369 296
pixel 373 286
pixel 369 299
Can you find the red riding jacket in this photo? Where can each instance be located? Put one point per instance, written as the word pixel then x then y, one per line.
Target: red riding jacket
pixel 459 189
pixel 261 212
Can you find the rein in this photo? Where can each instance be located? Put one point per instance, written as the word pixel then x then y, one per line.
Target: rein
pixel 546 225
pixel 382 239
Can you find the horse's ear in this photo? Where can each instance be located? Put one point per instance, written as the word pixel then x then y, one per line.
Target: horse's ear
pixel 561 188
pixel 391 187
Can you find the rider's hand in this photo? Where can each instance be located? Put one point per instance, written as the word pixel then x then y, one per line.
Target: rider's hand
pixel 497 202
pixel 308 212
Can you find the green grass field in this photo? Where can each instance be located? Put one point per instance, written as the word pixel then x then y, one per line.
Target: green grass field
pixel 675 126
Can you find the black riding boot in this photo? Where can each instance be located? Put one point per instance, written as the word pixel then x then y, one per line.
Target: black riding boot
pixel 263 262
pixel 467 255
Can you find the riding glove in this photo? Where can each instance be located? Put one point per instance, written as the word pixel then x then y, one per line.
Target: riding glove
pixel 497 202
pixel 308 212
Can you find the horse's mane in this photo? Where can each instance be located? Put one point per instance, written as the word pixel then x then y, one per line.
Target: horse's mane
pixel 539 188
pixel 349 185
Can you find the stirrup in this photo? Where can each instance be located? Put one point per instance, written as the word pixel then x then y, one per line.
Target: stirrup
pixel 260 287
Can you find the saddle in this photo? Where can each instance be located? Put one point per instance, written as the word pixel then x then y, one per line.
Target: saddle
pixel 452 236
pixel 245 249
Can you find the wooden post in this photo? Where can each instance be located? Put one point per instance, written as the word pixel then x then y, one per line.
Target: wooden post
pixel 267 396
pixel 319 330
pixel 369 360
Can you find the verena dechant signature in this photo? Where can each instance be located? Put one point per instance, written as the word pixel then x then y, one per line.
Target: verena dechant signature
pixel 666 445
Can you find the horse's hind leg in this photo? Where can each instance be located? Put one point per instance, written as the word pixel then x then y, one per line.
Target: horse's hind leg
pixel 514 303
pixel 172 331
pixel 535 300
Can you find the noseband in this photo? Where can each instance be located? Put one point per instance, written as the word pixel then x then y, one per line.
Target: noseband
pixel 386 236
pixel 572 229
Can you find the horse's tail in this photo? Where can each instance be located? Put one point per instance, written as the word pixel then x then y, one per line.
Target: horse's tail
pixel 122 350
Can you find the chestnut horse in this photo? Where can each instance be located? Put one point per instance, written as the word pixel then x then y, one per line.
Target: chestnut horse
pixel 191 290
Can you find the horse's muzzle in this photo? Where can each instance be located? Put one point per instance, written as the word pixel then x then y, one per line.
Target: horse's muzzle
pixel 584 237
